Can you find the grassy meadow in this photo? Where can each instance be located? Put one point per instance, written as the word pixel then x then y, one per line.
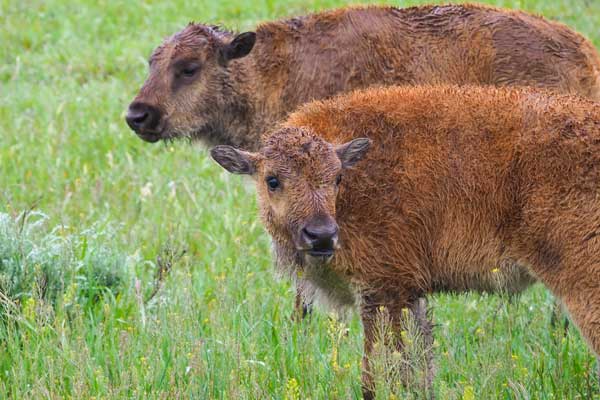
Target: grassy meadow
pixel 138 271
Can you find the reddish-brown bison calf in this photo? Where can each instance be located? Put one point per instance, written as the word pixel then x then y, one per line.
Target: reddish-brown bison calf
pixel 223 88
pixel 454 183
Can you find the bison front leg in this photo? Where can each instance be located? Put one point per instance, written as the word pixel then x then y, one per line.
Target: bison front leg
pixel 386 320
pixel 369 316
pixel 559 317
pixel 425 326
pixel 302 308
pixel 368 381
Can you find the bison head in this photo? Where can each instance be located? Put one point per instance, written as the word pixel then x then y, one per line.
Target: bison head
pixel 188 85
pixel 298 176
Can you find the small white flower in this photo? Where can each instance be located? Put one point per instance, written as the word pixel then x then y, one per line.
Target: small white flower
pixel 146 190
pixel 172 189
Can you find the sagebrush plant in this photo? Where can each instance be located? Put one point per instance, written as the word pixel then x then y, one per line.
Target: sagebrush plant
pixel 218 325
pixel 57 265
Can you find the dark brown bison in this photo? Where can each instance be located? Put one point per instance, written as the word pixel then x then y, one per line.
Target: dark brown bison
pixel 210 84
pixel 207 83
pixel 386 195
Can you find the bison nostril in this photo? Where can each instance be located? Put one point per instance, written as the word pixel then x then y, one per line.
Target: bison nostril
pixel 320 237
pixel 309 235
pixel 142 117
pixel 137 118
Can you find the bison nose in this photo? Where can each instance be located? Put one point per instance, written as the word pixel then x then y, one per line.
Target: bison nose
pixel 143 118
pixel 321 239
pixel 135 118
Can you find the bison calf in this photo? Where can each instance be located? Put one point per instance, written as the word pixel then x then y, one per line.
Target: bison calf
pixel 454 184
pixel 225 88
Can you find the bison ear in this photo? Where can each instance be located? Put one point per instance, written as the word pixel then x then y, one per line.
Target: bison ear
pixel 350 153
pixel 234 160
pixel 239 47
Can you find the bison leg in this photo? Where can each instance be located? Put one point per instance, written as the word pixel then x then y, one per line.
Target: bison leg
pixel 558 315
pixel 306 309
pixel 560 242
pixel 301 308
pixel 384 318
pixel 575 281
pixel 585 310
pixel 423 319
pixel 368 317
pixel 303 304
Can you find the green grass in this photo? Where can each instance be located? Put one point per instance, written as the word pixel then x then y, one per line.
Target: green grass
pixel 219 325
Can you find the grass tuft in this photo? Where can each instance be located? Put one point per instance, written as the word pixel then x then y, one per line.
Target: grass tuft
pixel 56 266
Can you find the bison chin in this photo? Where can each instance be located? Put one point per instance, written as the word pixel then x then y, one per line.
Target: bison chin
pixel 149 137
pixel 318 257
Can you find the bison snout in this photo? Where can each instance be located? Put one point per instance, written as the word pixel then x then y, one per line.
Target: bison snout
pixel 144 119
pixel 319 240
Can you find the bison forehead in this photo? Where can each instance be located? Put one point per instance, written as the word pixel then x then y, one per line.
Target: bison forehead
pixel 303 152
pixel 192 35
pixel 200 34
pixel 191 38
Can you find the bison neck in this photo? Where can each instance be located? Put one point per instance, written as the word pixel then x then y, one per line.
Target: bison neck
pixel 233 121
pixel 249 107
pixel 326 283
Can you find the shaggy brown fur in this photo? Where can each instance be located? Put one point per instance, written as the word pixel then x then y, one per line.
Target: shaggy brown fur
pixel 231 97
pixel 458 187
pixel 209 84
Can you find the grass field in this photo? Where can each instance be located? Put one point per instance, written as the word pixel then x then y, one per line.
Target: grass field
pixel 141 270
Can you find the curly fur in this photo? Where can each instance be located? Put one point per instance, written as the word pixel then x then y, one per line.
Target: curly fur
pixel 463 188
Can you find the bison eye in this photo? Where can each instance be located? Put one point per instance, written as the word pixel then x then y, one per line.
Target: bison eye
pixel 272 183
pixel 338 179
pixel 189 71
